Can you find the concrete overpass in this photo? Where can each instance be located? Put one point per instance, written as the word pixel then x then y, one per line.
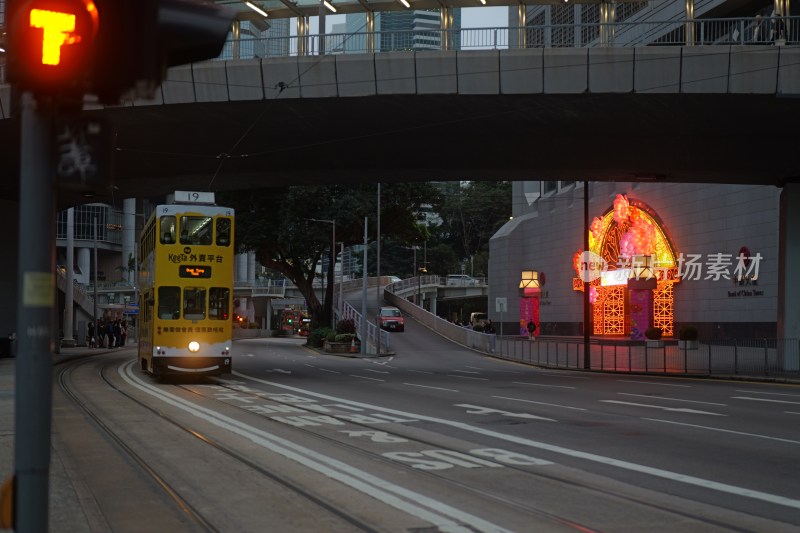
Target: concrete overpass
pixel 709 113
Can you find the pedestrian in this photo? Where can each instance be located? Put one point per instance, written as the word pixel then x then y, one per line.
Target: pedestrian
pixel 124 326
pixel 110 332
pixel 488 328
pixel 117 333
pixel 531 330
pixel 90 336
pixel 779 30
pixel 760 32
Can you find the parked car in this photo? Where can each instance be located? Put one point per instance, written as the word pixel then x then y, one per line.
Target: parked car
pixel 391 319
pixel 461 280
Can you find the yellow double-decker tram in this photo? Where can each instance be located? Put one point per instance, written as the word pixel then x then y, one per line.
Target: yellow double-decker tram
pixel 186 287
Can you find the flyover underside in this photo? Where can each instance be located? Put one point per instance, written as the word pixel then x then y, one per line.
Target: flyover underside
pixel 722 138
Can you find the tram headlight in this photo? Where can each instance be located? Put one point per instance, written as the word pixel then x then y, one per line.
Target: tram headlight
pixel 194 346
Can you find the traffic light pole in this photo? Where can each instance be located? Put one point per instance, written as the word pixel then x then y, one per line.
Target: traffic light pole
pixel 35 305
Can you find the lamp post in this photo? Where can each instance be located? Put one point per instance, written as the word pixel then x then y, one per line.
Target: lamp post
pixel 332 263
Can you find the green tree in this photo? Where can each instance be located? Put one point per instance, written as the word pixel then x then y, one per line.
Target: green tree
pixel 274 223
pixel 471 213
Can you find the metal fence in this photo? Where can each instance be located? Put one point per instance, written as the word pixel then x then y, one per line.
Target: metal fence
pixel 750 357
pixel 705 32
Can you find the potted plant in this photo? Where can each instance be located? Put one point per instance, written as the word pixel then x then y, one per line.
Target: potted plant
pixel 687 338
pixel 653 336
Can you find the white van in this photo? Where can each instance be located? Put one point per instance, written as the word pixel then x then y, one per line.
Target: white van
pixel 461 280
pixel 478 318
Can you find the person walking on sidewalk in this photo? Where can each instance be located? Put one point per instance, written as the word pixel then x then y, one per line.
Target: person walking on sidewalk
pixel 531 330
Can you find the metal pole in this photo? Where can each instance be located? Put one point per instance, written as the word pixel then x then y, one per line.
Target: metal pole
pixel 587 360
pixel 341 284
pixel 35 306
pixel 94 284
pixel 332 279
pixel 378 253
pixel 364 296
pixel 69 294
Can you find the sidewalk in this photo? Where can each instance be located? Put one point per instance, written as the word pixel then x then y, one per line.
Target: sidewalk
pixel 66 513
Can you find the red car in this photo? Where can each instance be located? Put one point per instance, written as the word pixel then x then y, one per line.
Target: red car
pixel 391 319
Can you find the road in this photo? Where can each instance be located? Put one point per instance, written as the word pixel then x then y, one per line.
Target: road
pixel 437 437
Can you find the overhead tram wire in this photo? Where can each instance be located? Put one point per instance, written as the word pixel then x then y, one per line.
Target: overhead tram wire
pixel 280 87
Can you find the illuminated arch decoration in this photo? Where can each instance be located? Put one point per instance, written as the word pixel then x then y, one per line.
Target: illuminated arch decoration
pixel 629 228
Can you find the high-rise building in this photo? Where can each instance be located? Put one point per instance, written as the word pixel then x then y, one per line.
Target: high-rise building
pixel 402 30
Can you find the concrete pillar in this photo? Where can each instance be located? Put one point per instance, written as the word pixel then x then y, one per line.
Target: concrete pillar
pixel 85 265
pixel 269 314
pixel 235 35
pixel 240 266
pixel 788 279
pixel 251 310
pixel 446 27
pixel 128 235
pixel 433 303
pixel 251 268
pixel 302 36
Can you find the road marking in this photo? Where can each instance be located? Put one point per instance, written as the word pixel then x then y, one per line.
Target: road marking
pixel 541 385
pixel 654 383
pixel 763 400
pixel 791 413
pixel 540 403
pixel 478 410
pixel 365 377
pixel 558 375
pixel 440 514
pixel 569 452
pixel 673 409
pixel 466 371
pixel 376 371
pixel 474 368
pixel 246 355
pixel 429 387
pixel 467 377
pixel 770 393
pixel 724 430
pixel 277 370
pixel 331 371
pixel 668 398
pixel 420 371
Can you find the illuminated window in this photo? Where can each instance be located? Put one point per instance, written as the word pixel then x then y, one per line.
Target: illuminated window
pixel 167 229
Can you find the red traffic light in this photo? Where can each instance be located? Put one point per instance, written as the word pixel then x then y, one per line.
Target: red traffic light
pixel 50 44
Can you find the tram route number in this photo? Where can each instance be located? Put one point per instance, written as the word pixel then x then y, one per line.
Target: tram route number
pixel 445 459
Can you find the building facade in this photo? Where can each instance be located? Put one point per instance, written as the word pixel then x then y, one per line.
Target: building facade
pixel 715 251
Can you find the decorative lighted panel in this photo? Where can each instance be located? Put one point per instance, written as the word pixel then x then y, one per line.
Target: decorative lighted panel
pixel 629 228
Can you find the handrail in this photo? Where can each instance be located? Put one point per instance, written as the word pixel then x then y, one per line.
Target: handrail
pixel 700 32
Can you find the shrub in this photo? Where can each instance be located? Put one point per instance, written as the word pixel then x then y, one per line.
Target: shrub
pixel 688 333
pixel 654 334
pixel 478 327
pixel 346 325
pixel 316 337
pixel 344 337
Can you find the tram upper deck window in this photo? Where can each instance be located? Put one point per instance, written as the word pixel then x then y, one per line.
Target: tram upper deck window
pixel 196 230
pixel 169 303
pixel 167 230
pixel 223 231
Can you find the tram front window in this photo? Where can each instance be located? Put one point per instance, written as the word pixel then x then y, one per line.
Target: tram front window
pixel 196 230
pixel 194 303
pixel 169 303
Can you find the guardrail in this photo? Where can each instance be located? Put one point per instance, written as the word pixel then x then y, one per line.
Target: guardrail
pixel 750 357
pixel 702 32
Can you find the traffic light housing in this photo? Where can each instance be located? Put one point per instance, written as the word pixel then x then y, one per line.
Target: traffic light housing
pixel 50 44
pixel 107 47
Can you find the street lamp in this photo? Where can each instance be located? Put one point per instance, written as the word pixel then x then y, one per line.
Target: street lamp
pixel 422 270
pixel 332 265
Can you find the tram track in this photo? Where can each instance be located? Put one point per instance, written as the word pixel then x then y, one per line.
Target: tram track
pixel 533 475
pixel 198 519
